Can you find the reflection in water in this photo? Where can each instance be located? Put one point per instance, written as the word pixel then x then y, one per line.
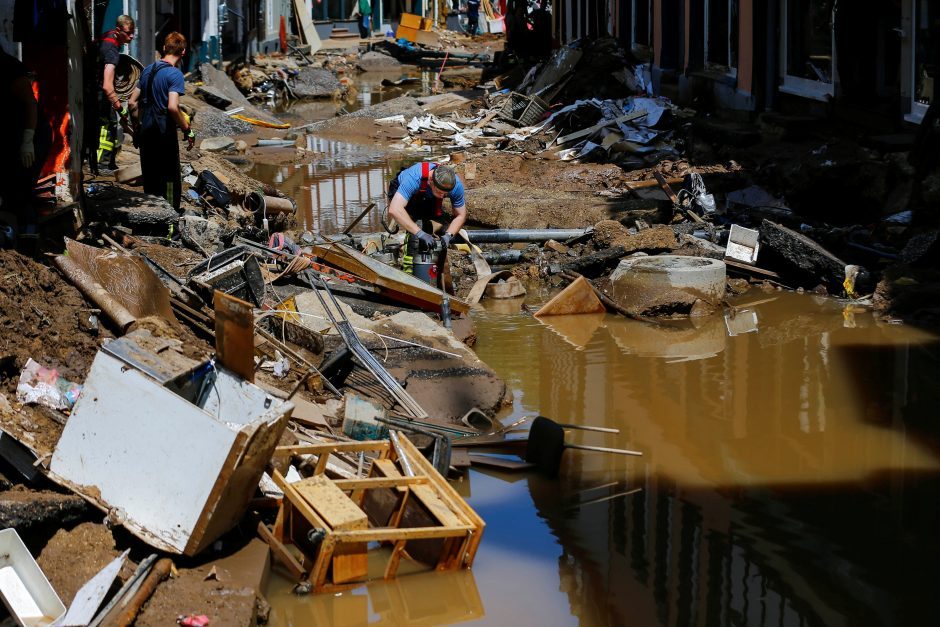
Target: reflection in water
pixel 331 191
pixel 673 340
pixel 423 599
pixel 783 483
pixel 790 476
pixel 577 330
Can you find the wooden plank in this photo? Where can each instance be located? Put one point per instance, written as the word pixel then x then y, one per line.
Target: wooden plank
pixel 331 447
pixel 398 284
pixel 486 119
pixel 377 482
pixel 584 132
pixel 435 505
pixel 307 29
pixel 337 509
pixel 664 184
pixel 577 298
pixel 281 553
pixel 235 335
pixel 392 568
pixel 350 562
pixel 412 533
pixel 635 185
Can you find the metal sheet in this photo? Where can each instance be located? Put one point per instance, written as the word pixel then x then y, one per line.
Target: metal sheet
pixel 91 595
pixel 174 474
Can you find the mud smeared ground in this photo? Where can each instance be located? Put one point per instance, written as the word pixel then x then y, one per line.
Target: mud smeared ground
pixel 73 557
pixel 42 316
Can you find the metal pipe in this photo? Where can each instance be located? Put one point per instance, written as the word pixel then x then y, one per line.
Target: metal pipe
pixel 502 257
pixel 495 236
pixel 268 205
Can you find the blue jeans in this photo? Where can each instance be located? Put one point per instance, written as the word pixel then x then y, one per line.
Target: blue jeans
pixel 364 26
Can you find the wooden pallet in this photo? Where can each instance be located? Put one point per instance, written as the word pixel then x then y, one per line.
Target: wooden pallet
pixel 331 522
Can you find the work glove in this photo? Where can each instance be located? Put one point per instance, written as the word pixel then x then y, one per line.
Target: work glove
pixel 446 239
pixel 425 238
pixel 123 112
pixel 27 151
pixel 190 139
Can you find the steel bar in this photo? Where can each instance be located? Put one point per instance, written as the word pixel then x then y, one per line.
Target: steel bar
pixel 342 325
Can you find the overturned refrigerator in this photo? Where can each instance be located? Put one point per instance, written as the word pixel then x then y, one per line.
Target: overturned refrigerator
pixel 170 448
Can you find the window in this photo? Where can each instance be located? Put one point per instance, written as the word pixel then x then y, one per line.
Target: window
pixel 925 52
pixel 642 23
pixel 808 57
pixel 721 33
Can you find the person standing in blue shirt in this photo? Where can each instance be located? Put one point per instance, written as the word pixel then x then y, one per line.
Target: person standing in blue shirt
pixel 473 16
pixel 156 109
pixel 417 195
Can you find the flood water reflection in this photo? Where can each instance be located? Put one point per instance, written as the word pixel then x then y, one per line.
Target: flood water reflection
pixel 790 477
pixel 334 188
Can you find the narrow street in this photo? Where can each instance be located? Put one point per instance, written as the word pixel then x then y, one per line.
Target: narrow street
pixel 596 313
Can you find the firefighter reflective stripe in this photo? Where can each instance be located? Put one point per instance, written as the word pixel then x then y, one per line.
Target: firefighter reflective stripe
pixel 407 261
pixel 105 143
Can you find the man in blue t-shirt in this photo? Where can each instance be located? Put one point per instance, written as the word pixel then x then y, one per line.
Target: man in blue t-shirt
pixel 155 105
pixel 417 195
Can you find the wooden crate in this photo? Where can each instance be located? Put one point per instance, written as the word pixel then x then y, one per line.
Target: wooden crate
pixel 420 517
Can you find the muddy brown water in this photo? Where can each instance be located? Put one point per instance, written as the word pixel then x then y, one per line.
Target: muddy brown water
pixel 790 477
pixel 791 474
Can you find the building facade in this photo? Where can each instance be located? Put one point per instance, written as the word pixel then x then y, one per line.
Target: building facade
pixel 868 56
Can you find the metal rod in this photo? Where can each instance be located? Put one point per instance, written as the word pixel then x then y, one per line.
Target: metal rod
pixel 587 428
pixel 368 360
pixel 602 449
pixel 405 463
pixel 358 218
pixel 606 498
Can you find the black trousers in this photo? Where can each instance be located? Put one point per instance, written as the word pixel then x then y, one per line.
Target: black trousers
pixel 160 164
pixel 472 22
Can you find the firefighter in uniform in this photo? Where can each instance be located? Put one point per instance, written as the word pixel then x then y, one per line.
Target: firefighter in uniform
pixel 109 104
pixel 416 197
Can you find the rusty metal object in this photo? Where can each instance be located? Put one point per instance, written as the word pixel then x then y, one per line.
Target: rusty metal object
pixel 161 570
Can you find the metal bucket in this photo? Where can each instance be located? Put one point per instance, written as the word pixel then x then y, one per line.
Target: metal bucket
pixel 425 267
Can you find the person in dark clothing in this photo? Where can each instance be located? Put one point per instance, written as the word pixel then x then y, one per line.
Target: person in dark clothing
pixel 109 104
pixel 25 138
pixel 155 108
pixel 473 16
pixel 365 18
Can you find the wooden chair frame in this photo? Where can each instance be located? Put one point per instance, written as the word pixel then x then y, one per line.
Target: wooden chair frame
pixel 460 526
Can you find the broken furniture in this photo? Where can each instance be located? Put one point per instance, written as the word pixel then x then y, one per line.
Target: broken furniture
pixel 403 504
pixel 171 448
pixel 234 271
pixel 546 443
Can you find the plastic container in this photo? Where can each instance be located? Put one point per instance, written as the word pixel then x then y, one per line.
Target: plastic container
pixel 25 589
